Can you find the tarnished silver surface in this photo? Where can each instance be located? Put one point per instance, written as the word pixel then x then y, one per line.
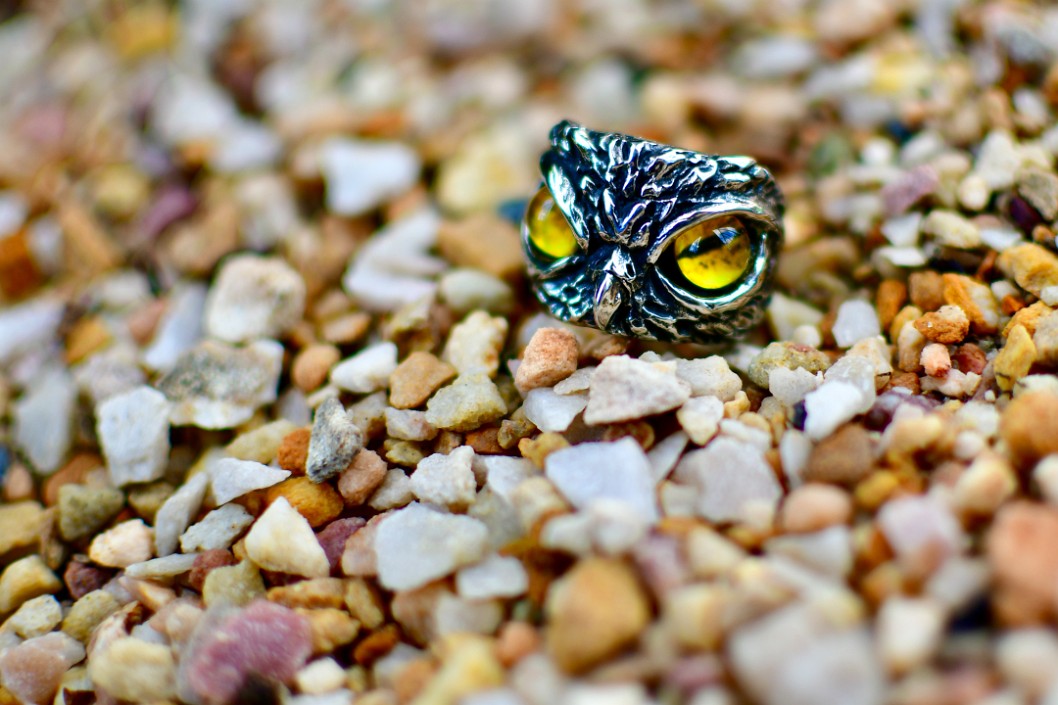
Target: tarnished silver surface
pixel 626 198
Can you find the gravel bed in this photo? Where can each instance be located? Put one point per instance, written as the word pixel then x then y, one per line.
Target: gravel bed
pixel 281 422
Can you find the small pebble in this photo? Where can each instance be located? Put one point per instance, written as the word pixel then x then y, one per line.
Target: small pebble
pixel 624 388
pixel 254 297
pixel 856 320
pixel 176 513
pixel 416 545
pixel 475 343
pixel 361 478
pixel 446 480
pixel 133 431
pixel 127 543
pixel 334 443
pixel 216 530
pixel 367 371
pixel 550 357
pixel 282 540
pixel 231 478
pixel 416 378
pixel 595 610
pixel 135 670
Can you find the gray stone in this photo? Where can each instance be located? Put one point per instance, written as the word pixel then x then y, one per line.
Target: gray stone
pixel 215 385
pixel 334 443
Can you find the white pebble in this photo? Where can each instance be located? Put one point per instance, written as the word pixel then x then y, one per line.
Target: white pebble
pixel 496 576
pixel 282 540
pixel 231 478
pixel 133 429
pixel 550 411
pixel 855 321
pixel 361 174
pixel 416 545
pixel 619 471
pixel 368 370
pixel 446 480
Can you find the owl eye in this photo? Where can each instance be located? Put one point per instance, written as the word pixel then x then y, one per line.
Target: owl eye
pixel 549 231
pixel 714 253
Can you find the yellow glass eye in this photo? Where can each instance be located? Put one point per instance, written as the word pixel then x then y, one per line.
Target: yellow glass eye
pixel 549 231
pixel 713 253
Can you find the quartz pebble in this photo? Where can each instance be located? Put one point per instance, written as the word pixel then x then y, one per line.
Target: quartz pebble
pixel 590 472
pixel 43 419
pixel 367 371
pixel 127 543
pixel 474 344
pixel 231 478
pixel 856 321
pixel 551 412
pixel 133 430
pixel 33 670
pixel 135 670
pixel 465 290
pixel 700 418
pixel 335 441
pixel 362 174
pixel 733 480
pixel 216 530
pixel 624 388
pixel 709 376
pixel 417 544
pixel 214 385
pixel 282 540
pixel 793 655
pixel 909 632
pixel 254 297
pixel 176 513
pixel 471 401
pixel 496 576
pixel 446 480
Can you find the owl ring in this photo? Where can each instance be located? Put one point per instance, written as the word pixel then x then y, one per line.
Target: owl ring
pixel 641 239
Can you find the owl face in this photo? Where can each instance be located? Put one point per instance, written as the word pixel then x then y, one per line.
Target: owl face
pixel 641 239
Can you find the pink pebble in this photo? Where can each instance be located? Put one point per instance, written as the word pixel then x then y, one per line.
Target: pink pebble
pixel 334 536
pixel 33 670
pixel 264 639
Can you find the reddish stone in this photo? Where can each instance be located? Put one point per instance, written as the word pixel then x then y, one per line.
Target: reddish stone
pixel 81 578
pixel 264 639
pixel 334 536
pixel 207 561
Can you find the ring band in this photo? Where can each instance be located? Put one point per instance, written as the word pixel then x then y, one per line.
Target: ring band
pixel 646 240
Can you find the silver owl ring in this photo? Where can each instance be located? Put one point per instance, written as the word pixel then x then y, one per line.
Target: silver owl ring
pixel 641 239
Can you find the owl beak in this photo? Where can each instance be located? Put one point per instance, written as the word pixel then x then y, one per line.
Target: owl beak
pixel 610 293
